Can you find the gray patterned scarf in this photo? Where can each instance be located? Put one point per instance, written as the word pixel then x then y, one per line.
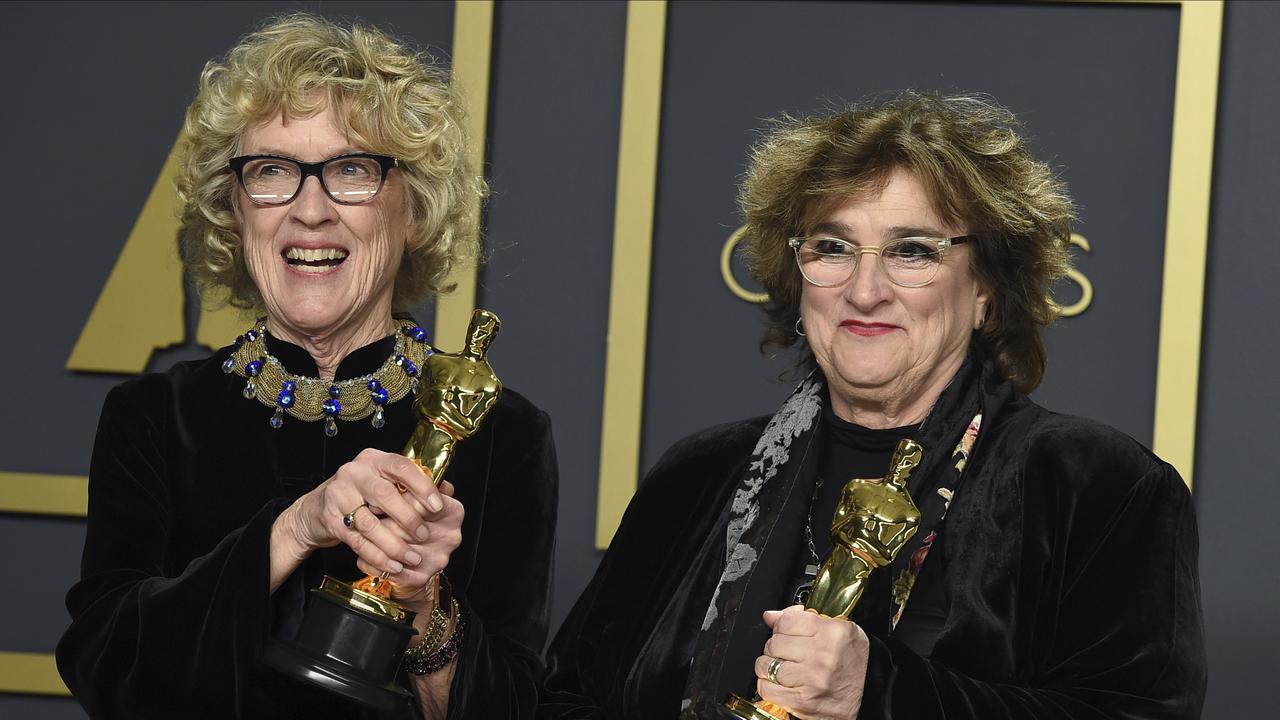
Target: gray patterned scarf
pixel 748 530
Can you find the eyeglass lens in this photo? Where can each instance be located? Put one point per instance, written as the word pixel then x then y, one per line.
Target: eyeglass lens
pixel 273 181
pixel 909 262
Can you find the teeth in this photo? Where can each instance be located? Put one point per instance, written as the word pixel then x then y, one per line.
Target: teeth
pixel 315 254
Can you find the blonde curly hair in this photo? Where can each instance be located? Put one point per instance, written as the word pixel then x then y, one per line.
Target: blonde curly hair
pixel 387 98
pixel 979 173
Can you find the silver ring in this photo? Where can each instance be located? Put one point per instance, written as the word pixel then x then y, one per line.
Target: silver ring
pixel 349 519
pixel 773 671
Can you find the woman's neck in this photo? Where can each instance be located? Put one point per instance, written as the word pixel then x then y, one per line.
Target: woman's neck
pixel 329 348
pixel 906 401
pixel 881 415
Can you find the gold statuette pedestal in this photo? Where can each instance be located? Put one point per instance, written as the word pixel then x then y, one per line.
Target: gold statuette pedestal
pixel 873 521
pixel 353 636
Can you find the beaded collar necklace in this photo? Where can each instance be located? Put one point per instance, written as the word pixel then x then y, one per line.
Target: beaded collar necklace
pixel 311 398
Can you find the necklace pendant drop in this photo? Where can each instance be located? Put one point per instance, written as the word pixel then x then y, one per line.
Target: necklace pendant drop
pixel 332 408
pixel 252 369
pixel 379 396
pixel 284 401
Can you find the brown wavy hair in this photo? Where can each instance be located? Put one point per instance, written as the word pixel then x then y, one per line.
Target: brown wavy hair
pixel 387 98
pixel 972 160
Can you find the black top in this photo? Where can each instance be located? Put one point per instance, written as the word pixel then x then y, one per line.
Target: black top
pixel 851 451
pixel 187 477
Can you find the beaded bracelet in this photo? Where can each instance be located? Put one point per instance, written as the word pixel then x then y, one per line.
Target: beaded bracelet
pixel 436 650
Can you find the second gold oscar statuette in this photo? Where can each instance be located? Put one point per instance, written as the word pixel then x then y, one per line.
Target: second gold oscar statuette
pixel 873 521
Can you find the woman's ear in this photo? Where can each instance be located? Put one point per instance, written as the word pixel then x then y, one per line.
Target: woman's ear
pixel 980 308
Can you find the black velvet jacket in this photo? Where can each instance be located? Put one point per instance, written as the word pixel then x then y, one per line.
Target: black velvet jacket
pixel 187 477
pixel 1069 569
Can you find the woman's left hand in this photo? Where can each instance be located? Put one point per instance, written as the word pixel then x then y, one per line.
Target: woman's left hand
pixel 823 668
pixel 411 586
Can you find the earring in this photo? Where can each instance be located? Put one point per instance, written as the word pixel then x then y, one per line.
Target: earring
pixel 799 327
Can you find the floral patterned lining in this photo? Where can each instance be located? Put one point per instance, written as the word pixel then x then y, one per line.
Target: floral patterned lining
pixel 906 580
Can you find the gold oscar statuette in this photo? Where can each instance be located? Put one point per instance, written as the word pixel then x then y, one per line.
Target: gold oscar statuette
pixel 873 521
pixel 353 635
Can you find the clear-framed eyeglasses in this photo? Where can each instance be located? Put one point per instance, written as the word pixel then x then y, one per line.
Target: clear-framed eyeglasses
pixel 347 179
pixel 908 262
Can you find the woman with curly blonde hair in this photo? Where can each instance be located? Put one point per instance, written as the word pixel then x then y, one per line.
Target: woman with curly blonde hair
pixel 325 187
pixel 1007 562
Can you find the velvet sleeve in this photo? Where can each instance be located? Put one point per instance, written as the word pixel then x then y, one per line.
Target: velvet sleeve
pixel 148 635
pixel 624 649
pixel 584 669
pixel 588 661
pixel 1112 626
pixel 506 604
pixel 569 692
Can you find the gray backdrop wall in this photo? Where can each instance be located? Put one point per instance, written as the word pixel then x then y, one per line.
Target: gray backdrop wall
pixel 95 95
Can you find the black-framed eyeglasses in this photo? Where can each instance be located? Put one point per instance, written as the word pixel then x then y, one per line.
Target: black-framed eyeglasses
pixel 347 179
pixel 908 262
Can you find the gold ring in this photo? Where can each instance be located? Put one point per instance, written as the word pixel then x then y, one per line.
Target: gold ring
pixel 350 518
pixel 773 671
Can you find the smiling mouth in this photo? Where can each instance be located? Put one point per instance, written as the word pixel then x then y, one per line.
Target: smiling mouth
pixel 314 260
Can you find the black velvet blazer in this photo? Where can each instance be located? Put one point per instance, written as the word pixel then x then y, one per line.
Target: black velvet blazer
pixel 1068 564
pixel 172 608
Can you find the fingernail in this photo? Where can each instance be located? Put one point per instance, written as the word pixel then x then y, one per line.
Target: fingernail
pixel 394 567
pixel 412 558
pixel 422 532
pixel 434 503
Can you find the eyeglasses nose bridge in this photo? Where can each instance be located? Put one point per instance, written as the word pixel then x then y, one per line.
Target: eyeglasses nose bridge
pixel 877 250
pixel 858 252
pixel 309 172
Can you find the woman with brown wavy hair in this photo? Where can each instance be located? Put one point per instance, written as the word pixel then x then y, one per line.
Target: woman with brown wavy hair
pixel 325 186
pixel 908 250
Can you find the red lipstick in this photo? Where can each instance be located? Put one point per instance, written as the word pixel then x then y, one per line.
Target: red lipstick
pixel 868 329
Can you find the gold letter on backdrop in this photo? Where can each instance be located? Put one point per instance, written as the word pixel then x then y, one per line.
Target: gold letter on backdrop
pixel 726 269
pixel 1086 287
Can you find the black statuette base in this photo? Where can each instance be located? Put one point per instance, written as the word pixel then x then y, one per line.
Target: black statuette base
pixel 345 650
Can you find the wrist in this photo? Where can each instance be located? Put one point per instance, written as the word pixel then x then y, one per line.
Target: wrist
pixel 289 531
pixel 286 553
pixel 440 633
pixel 422 600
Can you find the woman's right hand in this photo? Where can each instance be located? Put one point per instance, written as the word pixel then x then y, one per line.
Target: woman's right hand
pixel 384 518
